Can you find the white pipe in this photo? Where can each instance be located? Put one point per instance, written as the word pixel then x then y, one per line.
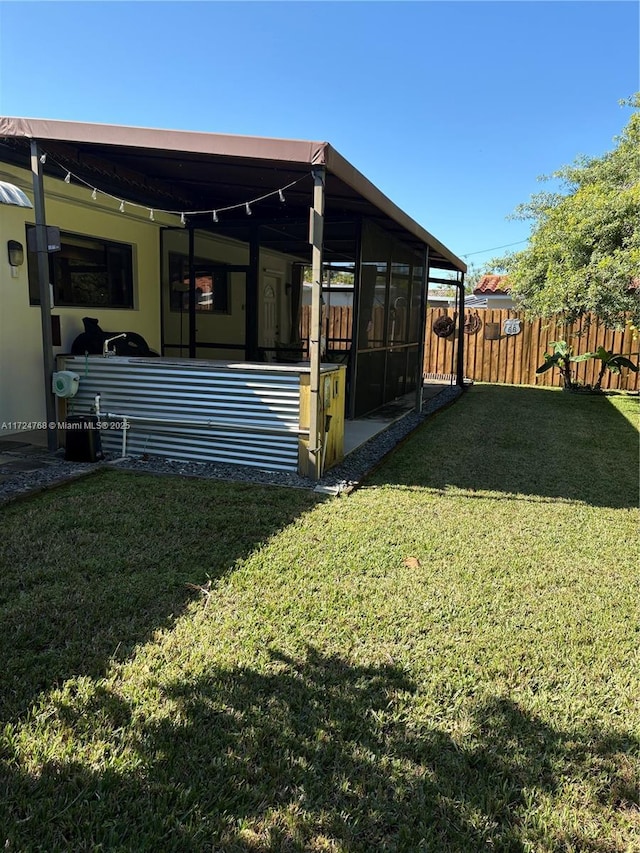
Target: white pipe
pixel 210 424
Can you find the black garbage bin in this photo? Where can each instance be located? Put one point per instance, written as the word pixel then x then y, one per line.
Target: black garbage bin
pixel 82 439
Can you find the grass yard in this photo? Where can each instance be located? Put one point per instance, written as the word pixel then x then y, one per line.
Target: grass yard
pixel 446 660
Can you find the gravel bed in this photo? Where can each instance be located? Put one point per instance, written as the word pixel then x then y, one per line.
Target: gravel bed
pixel 338 479
pixel 56 471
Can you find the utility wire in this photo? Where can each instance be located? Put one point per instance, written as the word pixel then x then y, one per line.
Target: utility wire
pixel 495 248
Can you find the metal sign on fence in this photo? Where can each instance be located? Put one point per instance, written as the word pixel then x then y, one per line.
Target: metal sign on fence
pixel 511 326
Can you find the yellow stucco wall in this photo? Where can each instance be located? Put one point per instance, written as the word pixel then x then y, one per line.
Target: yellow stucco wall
pixel 228 328
pixel 71 209
pixel 225 328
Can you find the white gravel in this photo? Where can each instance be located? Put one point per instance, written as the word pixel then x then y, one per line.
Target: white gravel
pixel 343 477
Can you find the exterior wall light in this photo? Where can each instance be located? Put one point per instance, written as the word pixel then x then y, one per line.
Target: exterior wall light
pixel 16 253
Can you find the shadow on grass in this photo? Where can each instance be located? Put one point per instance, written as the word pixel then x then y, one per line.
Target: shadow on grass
pixel 536 442
pixel 95 567
pixel 316 754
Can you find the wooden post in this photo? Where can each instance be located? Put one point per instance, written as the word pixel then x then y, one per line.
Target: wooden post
pixel 45 299
pixel 316 230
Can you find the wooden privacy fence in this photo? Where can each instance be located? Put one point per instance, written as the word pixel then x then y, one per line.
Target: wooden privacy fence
pixel 492 355
pixel 336 326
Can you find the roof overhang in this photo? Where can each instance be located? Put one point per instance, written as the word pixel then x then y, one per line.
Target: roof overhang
pixel 191 171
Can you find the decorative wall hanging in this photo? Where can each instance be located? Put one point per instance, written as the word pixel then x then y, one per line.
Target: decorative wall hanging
pixel 492 331
pixel 443 327
pixel 472 323
pixel 511 326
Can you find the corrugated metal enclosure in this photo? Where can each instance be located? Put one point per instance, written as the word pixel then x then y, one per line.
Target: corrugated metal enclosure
pixel 195 410
pixel 223 287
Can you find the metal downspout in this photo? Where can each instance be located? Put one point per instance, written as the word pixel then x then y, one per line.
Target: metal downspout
pixel 316 232
pixel 460 359
pixel 454 348
pixel 422 335
pixel 45 299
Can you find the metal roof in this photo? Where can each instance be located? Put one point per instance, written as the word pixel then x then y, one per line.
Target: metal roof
pixel 169 169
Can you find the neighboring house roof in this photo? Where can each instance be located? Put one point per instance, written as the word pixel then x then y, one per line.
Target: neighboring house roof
pixel 441 295
pixel 475 300
pixel 438 298
pixel 493 284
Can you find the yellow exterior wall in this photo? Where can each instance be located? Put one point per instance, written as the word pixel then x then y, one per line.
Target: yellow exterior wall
pixel 226 328
pixel 223 328
pixel 71 209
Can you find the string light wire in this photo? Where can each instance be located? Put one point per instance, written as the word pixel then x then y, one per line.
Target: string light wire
pixel 95 191
pixel 213 212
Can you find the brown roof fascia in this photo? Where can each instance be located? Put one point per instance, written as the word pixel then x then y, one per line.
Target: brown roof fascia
pixel 223 145
pixel 342 169
pixel 226 145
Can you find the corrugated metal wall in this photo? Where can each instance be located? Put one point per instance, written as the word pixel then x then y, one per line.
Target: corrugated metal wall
pixel 240 416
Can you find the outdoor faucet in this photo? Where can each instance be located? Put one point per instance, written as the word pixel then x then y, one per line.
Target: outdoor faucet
pixel 106 352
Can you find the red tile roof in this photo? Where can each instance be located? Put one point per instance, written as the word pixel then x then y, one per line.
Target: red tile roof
pixel 492 284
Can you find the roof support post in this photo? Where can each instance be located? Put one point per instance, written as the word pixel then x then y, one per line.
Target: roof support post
pixel 252 296
pixel 192 296
pixel 316 232
pixel 422 335
pixel 460 359
pixel 355 326
pixel 42 252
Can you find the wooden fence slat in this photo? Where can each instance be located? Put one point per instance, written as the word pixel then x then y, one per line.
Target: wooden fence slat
pixel 510 359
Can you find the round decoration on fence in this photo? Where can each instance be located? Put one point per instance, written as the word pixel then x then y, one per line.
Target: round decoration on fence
pixel 472 323
pixel 444 326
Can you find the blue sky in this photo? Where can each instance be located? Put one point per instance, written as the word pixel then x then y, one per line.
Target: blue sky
pixel 452 108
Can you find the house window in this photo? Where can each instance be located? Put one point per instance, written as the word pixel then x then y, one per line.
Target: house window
pixel 87 271
pixel 212 287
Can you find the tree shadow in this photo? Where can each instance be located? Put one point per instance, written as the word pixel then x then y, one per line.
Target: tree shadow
pixel 528 442
pixel 78 592
pixel 313 754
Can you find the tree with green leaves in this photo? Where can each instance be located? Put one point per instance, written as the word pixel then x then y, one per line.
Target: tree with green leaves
pixel 584 251
pixel 472 276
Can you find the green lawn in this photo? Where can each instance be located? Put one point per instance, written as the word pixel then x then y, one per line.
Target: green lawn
pixel 446 660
